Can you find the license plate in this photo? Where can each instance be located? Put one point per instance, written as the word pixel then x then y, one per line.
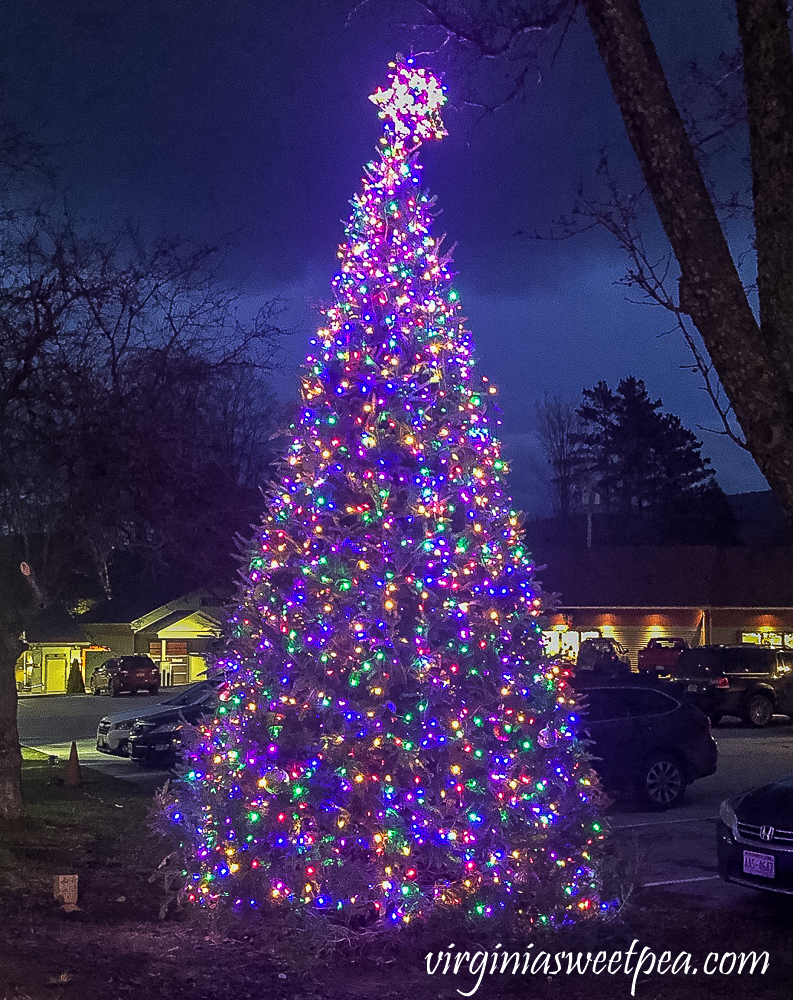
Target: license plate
pixel 758 864
pixel 691 687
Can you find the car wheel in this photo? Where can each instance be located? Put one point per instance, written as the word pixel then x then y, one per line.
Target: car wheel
pixel 155 689
pixel 758 711
pixel 112 690
pixel 662 783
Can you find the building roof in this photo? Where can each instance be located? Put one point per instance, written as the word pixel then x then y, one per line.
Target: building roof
pixel 655 577
pixel 141 611
pixel 54 625
pixel 119 611
pixel 203 623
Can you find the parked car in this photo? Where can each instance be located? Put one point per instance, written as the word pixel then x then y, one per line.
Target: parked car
pixel 126 673
pixel 752 682
pixel 157 739
pixel 113 731
pixel 603 656
pixel 647 742
pixel 661 654
pixel 754 838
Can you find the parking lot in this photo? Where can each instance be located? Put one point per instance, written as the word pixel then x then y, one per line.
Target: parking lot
pixel 50 723
pixel 674 850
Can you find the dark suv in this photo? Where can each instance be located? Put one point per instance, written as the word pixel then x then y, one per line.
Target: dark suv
pixel 645 741
pixel 126 673
pixel 752 682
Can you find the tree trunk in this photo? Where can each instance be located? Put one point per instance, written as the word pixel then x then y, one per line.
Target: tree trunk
pixel 750 361
pixel 10 754
pixel 768 83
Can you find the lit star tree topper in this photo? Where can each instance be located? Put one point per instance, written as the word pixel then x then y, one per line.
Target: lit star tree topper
pixel 391 741
pixel 412 103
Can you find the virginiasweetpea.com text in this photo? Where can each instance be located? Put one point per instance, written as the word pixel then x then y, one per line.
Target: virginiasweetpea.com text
pixel 637 964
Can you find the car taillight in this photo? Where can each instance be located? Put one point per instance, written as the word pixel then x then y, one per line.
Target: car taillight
pixel 723 682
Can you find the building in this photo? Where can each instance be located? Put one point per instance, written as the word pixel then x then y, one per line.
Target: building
pixel 176 635
pixel 54 640
pixel 702 594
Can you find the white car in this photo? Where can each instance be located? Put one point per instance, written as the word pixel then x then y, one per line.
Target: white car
pixel 112 733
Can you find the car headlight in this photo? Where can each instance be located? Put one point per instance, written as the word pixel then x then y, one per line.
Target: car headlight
pixel 728 817
pixel 122 726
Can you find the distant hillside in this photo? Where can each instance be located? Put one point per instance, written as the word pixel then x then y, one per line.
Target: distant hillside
pixel 760 519
pixel 667 576
pixel 758 516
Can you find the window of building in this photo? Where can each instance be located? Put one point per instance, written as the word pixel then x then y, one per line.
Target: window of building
pixel 781 639
pixel 566 643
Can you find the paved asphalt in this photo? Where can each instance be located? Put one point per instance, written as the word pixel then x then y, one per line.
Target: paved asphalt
pixel 674 850
pixel 51 722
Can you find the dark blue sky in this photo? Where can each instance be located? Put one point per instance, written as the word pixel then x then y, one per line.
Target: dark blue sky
pixel 250 118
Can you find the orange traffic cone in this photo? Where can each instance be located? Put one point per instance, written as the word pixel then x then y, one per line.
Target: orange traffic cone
pixel 72 774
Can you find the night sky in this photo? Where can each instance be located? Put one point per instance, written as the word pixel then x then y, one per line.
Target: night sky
pixel 249 119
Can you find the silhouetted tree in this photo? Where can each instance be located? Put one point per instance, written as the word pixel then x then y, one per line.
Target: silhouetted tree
pixel 752 358
pixel 648 469
pixel 557 428
pixel 131 408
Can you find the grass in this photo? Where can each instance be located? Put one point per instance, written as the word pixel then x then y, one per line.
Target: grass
pixel 116 945
pixel 67 830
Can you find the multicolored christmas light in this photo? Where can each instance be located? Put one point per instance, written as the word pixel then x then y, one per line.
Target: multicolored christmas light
pixel 391 740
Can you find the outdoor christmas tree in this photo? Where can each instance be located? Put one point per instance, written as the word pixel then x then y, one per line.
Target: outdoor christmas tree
pixel 391 740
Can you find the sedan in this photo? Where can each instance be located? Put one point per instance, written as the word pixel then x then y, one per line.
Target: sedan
pixel 754 838
pixel 157 739
pixel 113 731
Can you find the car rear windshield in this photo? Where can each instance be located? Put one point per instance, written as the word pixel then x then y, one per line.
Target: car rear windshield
pixel 135 662
pixel 785 661
pixel 700 663
pixel 748 660
pixel 193 695
pixel 726 660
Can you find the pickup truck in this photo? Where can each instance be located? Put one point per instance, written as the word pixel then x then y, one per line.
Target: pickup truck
pixel 661 655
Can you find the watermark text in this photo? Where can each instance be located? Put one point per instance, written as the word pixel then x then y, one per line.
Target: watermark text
pixel 636 964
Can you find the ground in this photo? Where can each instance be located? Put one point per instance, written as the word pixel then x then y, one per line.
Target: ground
pixel 118 945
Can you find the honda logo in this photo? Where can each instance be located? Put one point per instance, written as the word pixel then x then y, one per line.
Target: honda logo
pixel 766 833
